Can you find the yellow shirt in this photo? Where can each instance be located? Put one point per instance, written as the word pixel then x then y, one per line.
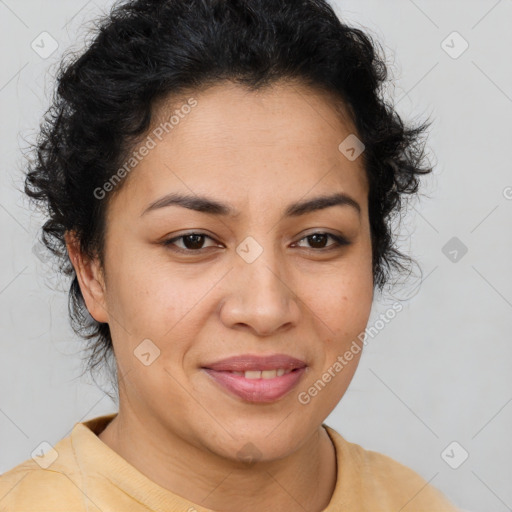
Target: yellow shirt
pixel 88 476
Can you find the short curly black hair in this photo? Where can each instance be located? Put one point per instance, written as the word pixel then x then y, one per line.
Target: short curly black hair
pixel 146 50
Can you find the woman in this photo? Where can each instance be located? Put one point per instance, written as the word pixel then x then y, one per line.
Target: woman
pixel 220 177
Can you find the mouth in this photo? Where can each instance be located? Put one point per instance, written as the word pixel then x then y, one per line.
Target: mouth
pixel 262 374
pixel 256 379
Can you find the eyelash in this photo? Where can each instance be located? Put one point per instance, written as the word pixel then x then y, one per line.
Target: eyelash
pixel 339 242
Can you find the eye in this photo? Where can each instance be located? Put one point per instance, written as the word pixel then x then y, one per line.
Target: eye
pixel 194 242
pixel 319 239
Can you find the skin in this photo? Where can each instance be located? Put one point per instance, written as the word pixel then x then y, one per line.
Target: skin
pixel 259 152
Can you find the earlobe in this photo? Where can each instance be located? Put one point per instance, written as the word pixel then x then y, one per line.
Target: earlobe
pixel 90 278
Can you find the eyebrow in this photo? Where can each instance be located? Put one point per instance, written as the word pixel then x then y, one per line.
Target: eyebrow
pixel 210 206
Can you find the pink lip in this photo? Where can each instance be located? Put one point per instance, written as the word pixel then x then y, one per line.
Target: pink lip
pixel 257 390
pixel 248 362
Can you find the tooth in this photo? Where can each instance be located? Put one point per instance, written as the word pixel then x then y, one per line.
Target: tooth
pixel 252 374
pixel 268 374
pixel 240 374
pixel 280 372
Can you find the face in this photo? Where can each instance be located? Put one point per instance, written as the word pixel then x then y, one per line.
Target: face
pixel 186 289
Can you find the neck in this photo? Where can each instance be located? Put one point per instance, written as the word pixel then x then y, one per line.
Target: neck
pixel 304 480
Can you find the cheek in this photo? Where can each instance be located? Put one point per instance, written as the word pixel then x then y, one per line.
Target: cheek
pixel 157 301
pixel 137 283
pixel 343 298
pixel 345 308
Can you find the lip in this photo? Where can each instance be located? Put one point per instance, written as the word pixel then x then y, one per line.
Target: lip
pixel 256 390
pixel 247 362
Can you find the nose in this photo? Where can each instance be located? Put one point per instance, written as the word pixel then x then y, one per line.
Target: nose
pixel 260 297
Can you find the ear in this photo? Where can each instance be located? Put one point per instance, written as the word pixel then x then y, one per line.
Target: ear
pixel 90 278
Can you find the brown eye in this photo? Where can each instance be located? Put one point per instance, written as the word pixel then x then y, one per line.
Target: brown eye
pixel 318 241
pixel 192 242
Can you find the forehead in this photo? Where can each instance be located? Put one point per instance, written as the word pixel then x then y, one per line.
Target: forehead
pixel 279 141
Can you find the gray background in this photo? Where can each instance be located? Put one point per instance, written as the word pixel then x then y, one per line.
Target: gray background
pixel 439 371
